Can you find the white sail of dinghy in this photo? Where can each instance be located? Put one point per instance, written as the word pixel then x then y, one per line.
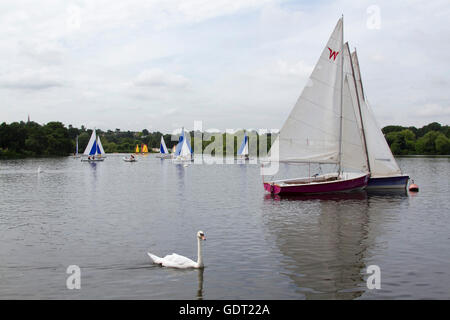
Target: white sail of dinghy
pixel 311 132
pixel 100 150
pixel 76 155
pixel 183 151
pixel 91 148
pixel 381 160
pixel 163 147
pixel 163 152
pixel 243 149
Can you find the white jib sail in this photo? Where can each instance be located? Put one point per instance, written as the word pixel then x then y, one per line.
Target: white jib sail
pixel 353 156
pixel 185 150
pixel 381 160
pixel 90 144
pixel 245 150
pixel 100 147
pixel 311 132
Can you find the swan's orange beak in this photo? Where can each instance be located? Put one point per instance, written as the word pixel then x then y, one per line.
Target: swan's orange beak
pixel 203 238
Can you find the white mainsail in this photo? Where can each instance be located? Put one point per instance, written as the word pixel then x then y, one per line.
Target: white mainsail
pixel 243 150
pixel 312 131
pixel 184 147
pixel 91 147
pixel 353 150
pixel 162 146
pixel 381 160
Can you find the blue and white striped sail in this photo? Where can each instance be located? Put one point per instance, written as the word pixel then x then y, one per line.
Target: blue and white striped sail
pixel 91 148
pixel 243 150
pixel 162 147
pixel 183 147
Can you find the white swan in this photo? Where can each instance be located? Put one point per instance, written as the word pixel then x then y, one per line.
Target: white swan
pixel 176 261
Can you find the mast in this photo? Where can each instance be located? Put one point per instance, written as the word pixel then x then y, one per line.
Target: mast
pixel 342 92
pixel 359 108
pixel 360 79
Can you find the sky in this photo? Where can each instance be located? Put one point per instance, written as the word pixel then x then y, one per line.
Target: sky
pixel 231 64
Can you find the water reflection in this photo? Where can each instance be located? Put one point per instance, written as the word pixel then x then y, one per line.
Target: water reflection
pixel 200 284
pixel 180 171
pixel 388 193
pixel 329 196
pixel 323 241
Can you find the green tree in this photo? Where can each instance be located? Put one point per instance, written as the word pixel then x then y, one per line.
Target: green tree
pixel 426 144
pixel 401 142
pixel 442 144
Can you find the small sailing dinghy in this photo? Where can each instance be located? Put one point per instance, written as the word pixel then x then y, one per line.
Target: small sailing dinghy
pixel 242 153
pixel 76 155
pixel 94 149
pixel 131 158
pixel 384 170
pixel 163 152
pixel 322 128
pixel 183 152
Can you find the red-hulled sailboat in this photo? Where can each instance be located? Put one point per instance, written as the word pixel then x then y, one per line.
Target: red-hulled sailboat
pixel 325 127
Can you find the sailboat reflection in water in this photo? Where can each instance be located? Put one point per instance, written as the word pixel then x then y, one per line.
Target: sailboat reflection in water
pixel 323 240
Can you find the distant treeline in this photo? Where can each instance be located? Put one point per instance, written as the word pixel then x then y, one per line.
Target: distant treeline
pixel 432 139
pixel 30 139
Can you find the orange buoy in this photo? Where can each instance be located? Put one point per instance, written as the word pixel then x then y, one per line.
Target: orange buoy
pixel 413 187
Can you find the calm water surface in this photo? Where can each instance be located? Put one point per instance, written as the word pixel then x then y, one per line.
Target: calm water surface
pixel 105 217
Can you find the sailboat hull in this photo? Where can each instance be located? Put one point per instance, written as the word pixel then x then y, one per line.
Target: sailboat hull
pixel 348 184
pixel 395 182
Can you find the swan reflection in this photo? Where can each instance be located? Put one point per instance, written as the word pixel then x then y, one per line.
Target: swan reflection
pixel 200 284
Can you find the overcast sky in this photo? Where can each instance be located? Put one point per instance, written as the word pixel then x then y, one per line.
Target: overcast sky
pixel 232 64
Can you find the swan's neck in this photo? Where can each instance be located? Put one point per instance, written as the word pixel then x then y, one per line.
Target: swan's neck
pixel 200 257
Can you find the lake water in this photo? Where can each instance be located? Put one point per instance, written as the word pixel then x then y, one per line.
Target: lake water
pixel 105 217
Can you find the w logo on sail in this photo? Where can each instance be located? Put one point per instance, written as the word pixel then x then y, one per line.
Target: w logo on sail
pixel 333 54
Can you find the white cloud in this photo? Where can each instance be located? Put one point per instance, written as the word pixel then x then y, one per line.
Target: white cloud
pixel 30 80
pixel 159 78
pixel 299 68
pixel 433 110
